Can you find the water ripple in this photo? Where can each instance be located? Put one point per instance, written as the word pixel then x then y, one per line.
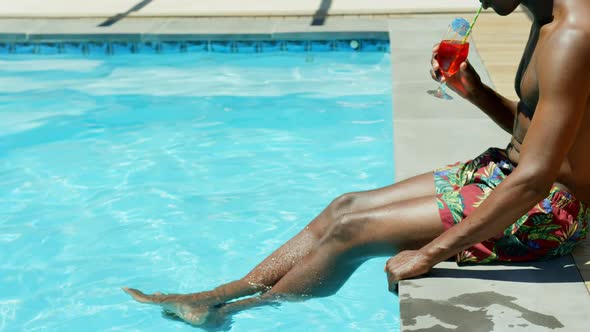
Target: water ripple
pixel 179 173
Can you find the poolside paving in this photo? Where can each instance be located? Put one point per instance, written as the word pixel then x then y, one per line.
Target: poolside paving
pixel 201 8
pixel 531 297
pixel 517 297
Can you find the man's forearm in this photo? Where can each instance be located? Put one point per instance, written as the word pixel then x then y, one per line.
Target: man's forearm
pixel 508 202
pixel 497 107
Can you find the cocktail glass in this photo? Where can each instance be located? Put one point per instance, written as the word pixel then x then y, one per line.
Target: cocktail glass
pixel 452 52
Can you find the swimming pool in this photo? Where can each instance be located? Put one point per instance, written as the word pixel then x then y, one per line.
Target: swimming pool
pixel 177 172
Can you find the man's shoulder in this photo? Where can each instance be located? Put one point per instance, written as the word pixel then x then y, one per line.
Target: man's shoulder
pixel 567 46
pixel 564 60
pixel 570 39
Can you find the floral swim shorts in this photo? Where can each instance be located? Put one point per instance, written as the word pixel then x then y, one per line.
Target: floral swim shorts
pixel 550 229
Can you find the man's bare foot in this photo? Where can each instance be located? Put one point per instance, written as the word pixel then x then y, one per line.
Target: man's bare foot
pixel 192 313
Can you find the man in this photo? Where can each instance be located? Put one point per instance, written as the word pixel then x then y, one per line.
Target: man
pixel 525 202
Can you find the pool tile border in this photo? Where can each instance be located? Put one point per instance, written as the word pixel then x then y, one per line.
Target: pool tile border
pixel 224 35
pixel 181 46
pixel 186 35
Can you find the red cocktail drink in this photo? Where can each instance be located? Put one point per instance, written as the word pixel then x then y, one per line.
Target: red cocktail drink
pixel 451 54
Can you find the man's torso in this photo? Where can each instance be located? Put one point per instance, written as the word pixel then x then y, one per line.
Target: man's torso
pixel 575 170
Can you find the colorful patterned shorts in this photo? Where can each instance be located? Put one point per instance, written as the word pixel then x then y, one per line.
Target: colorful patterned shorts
pixel 550 229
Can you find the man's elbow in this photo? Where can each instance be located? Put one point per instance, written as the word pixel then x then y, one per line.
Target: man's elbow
pixel 535 184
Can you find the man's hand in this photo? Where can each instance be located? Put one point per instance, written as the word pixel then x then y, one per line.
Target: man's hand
pixel 466 82
pixel 404 265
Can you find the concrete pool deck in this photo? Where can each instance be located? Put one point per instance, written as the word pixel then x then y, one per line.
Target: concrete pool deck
pixel 223 8
pixel 538 297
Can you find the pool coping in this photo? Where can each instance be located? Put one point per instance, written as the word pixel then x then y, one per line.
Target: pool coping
pixel 419 125
pixel 188 29
pixel 222 8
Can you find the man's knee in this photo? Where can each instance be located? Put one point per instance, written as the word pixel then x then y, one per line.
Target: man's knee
pixel 343 204
pixel 346 229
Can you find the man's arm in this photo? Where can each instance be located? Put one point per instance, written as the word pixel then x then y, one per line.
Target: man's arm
pixel 499 108
pixel 468 85
pixel 564 90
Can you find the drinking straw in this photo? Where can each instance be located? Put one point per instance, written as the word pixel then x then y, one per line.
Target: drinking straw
pixel 472 24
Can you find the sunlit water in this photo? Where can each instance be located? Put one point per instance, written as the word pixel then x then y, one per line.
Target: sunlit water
pixel 179 172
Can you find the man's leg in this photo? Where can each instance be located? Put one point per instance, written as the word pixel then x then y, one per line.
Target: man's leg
pixel 266 274
pixel 356 237
pixel 348 242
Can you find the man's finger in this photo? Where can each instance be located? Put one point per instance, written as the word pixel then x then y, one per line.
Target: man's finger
pixel 433 75
pixel 436 73
pixel 393 285
pixel 391 280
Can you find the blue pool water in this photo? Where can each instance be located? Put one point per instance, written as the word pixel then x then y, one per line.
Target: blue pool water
pixel 179 172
